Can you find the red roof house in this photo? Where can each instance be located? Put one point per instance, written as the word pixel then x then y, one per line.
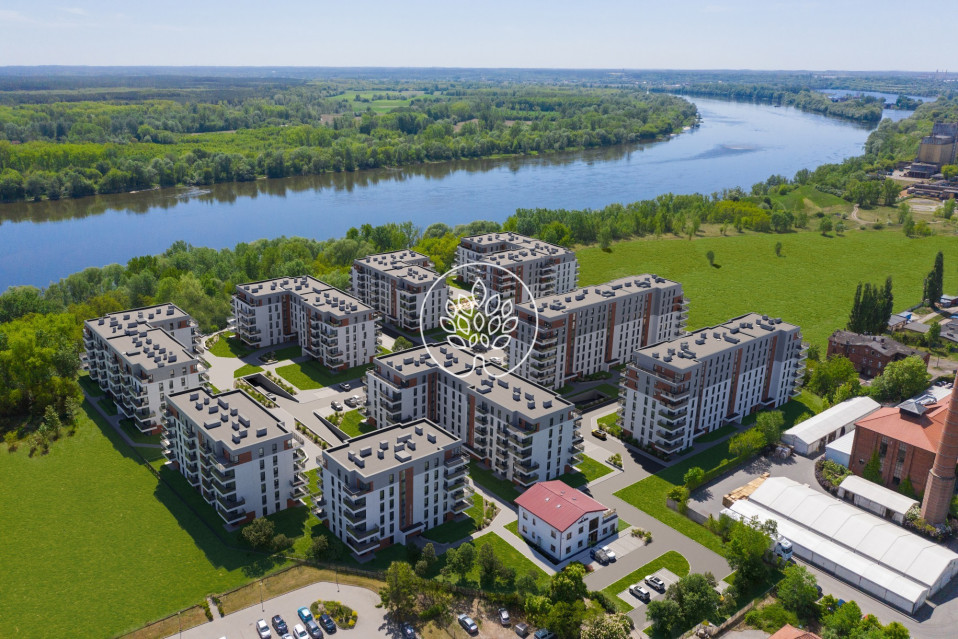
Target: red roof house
pixel 562 520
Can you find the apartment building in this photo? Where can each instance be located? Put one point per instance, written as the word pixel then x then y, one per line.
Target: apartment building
pixel 396 284
pixel 870 354
pixel 546 269
pixel 138 363
pixel 239 455
pixel 594 328
pixel 331 326
pixel 525 432
pixel 674 391
pixel 563 521
pixel 389 485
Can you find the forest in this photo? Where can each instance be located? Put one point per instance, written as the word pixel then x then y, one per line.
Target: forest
pixel 128 138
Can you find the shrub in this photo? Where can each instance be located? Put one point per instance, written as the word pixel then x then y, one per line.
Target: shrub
pixel 770 618
pixel 603 600
pixel 206 609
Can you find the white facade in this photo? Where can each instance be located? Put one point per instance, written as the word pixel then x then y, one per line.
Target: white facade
pixel 396 284
pixel 563 521
pixel 674 391
pixel 392 484
pixel 546 269
pixel 236 453
pixel 810 436
pixel 882 501
pixel 594 328
pixel 840 450
pixel 139 365
pixel 523 431
pixel 331 326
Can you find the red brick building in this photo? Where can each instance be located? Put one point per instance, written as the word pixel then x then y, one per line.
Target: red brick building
pixel 906 438
pixel 870 354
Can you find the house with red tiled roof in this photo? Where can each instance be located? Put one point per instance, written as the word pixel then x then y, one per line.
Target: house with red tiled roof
pixel 791 632
pixel 563 521
pixel 906 438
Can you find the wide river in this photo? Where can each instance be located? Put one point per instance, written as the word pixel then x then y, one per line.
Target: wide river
pixel 736 145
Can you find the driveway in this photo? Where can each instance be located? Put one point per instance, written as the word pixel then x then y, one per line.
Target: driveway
pixel 242 624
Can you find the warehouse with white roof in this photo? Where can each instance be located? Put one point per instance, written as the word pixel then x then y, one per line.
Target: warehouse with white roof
pixel 871 553
pixel 810 436
pixel 882 501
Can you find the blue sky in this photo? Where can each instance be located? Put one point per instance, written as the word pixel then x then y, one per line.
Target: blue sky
pixel 689 34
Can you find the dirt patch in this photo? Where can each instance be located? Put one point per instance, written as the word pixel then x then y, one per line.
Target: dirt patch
pixel 458 125
pixel 921 204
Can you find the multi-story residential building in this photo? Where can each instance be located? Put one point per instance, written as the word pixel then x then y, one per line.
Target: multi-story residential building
pixel 525 432
pixel 563 521
pixel 332 326
pixel 238 454
pixel 593 328
pixel 674 391
pixel 392 484
pixel 546 269
pixel 139 365
pixel 870 354
pixel 396 284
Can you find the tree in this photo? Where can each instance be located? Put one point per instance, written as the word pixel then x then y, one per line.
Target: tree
pixel 933 337
pixel 840 227
pixel 402 344
pixel 318 549
pixel 488 566
pixel 872 470
pixel 429 553
pixel 665 615
pixel 565 619
pixel 537 609
pixel 696 597
pixel 797 591
pixel 902 379
pixel 745 551
pixel 259 533
pixel 829 375
pixel 746 444
pixel 567 585
pixel 607 627
pixel 770 424
pixel 825 225
pixel 401 590
pixel 934 282
pixel 693 477
pixel 528 583
pixel 605 237
pixel 890 191
pixel 710 256
pixel 778 249
pixel 843 621
pixel 460 560
pixel 51 422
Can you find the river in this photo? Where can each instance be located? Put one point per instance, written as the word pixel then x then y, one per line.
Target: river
pixel 736 144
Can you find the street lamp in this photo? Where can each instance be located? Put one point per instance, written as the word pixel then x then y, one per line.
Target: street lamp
pixel 262 605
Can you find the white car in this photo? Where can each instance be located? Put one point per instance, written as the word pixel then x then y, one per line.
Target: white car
pixel 262 629
pixel 299 632
pixel 640 591
pixel 609 552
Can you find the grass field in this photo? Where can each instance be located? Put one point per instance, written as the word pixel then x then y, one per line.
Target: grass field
pixel 134 433
pixel 455 530
pixel 229 346
pixel 671 560
pixel 89 387
pixel 351 424
pixel 247 369
pixel 716 434
pixel 649 494
pixel 289 352
pixel 108 406
pixel 506 553
pixel 484 477
pixel 811 285
pixel 587 470
pixel 310 375
pixel 608 420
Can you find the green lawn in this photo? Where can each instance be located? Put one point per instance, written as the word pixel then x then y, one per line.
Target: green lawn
pixel 351 424
pixel 502 488
pixel 718 433
pixel 608 420
pixel 455 530
pixel 623 525
pixel 247 369
pixel 671 560
pixel 310 375
pixel 108 406
pixel 229 346
pixel 134 433
pixel 290 352
pixel 89 387
pixel 587 470
pixel 811 285
pixel 649 494
pixel 506 553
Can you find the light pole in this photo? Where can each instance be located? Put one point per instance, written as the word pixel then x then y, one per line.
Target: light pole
pixel 179 622
pixel 262 604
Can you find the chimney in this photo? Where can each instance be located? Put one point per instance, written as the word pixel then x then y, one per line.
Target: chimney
pixel 941 480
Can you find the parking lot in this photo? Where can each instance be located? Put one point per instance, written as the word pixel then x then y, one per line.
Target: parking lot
pixel 664 574
pixel 621 545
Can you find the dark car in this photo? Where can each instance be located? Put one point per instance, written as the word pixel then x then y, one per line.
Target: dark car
pixel 522 629
pixel 279 625
pixel 408 632
pixel 327 623
pixel 599 556
pixel 655 582
pixel 313 629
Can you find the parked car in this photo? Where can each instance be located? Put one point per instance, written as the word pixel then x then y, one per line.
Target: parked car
pixel 522 629
pixel 313 629
pixel 271 397
pixel 408 632
pixel 279 625
pixel 638 590
pixel 504 618
pixel 299 632
pixel 336 406
pixel 304 614
pixel 609 553
pixel 350 401
pixel 599 555
pixel 262 629
pixel 542 633
pixel 327 623
pixel 655 582
pixel 496 360
pixel 468 624
pixel 344 386
pixel 598 433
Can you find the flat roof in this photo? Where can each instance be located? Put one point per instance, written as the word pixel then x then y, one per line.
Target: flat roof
pixel 558 504
pixel 380 260
pixel 687 351
pixel 556 306
pixel 386 448
pixel 511 392
pixel 891 499
pixel 151 348
pixel 814 428
pixel 315 293
pixel 112 323
pixel 517 241
pixel 843 444
pixel 233 418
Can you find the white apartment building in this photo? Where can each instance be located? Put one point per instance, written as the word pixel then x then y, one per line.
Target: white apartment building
pixel 546 269
pixel 392 484
pixel 675 391
pixel 139 365
pixel 523 431
pixel 594 328
pixel 331 326
pixel 563 521
pixel 238 454
pixel 396 284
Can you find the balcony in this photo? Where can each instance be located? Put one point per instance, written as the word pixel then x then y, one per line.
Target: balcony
pixel 575 449
pixel 456 461
pixel 231 516
pixel 526 479
pixel 609 514
pixel 356 492
pixel 361 533
pixel 669 448
pixel 360 548
pixel 355 506
pixel 298 480
pixel 457 481
pixel 355 519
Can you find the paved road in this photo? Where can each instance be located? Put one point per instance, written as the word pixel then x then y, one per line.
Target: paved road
pixel 241 625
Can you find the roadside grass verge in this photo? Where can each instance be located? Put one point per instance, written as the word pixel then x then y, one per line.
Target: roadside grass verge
pixel 310 375
pixel 247 369
pixel 671 561
pixel 587 470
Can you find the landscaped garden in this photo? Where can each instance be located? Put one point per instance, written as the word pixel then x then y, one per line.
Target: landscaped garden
pixel 352 424
pixel 587 470
pixel 502 488
pixel 311 374
pixel 226 344
pixel 451 531
pixel 247 369
pixel 671 561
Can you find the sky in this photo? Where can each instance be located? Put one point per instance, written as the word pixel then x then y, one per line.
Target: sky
pixel 637 34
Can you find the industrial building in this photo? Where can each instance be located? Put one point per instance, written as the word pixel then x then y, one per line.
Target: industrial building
pixel 812 435
pixel 840 450
pixel 871 553
pixel 884 502
pixel 397 284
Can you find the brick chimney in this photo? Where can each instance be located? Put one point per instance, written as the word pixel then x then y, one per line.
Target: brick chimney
pixel 940 487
